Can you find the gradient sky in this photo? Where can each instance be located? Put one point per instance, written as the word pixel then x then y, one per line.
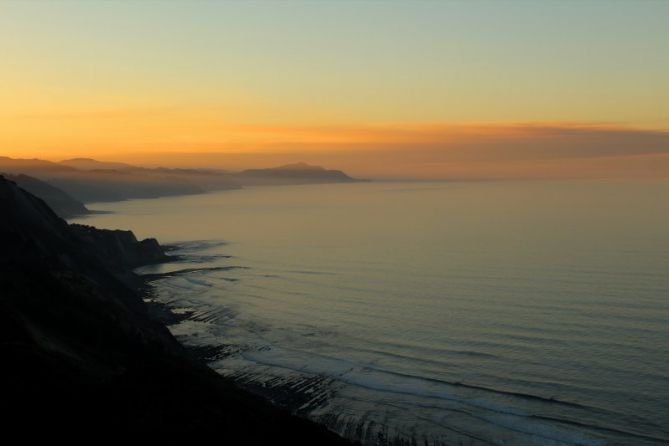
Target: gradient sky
pixel 431 89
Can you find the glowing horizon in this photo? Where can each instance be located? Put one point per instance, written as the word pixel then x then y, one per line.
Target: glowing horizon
pixel 402 89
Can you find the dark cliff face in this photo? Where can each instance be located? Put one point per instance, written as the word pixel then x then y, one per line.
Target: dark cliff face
pixel 120 249
pixel 80 352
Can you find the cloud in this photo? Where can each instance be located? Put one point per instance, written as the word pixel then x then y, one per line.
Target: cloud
pixel 470 142
pixel 466 141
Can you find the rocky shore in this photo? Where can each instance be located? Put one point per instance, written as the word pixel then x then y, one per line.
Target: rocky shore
pixel 82 353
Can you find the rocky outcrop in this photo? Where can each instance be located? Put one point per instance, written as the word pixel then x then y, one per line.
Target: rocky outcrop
pixel 80 353
pixel 120 249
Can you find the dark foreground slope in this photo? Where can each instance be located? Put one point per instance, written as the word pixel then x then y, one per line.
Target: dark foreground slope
pixel 79 352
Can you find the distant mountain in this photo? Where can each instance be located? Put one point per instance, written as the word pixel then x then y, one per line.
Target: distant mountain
pixel 91 164
pixel 31 166
pixel 298 173
pixel 62 203
pixel 301 166
pixel 89 180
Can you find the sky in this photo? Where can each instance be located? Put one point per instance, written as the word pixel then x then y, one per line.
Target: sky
pixel 424 89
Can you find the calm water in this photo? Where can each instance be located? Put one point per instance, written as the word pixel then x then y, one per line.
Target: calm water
pixel 454 313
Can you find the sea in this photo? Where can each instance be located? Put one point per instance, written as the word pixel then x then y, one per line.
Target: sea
pixel 429 313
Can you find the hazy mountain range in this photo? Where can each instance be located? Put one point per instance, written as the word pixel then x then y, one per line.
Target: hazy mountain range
pixel 68 184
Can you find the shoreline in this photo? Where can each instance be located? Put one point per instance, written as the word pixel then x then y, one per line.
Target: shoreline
pixel 285 398
pixel 258 311
pixel 295 397
pixel 294 389
pixel 82 355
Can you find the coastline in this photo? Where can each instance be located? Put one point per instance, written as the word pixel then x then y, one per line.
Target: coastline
pixel 82 353
pixel 297 398
pixel 239 302
pixel 241 307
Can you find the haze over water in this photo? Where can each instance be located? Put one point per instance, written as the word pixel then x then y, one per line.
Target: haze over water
pixel 452 312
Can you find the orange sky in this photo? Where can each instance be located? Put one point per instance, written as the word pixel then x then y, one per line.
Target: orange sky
pixel 200 138
pixel 408 89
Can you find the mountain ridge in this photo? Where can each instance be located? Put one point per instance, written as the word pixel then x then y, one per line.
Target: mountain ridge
pixel 89 180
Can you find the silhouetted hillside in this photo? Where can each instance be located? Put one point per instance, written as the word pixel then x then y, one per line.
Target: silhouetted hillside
pixel 62 203
pixel 81 354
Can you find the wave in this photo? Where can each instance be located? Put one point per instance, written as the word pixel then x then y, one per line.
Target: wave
pixel 418 382
pixel 184 271
pixel 198 245
pixel 507 417
pixel 481 407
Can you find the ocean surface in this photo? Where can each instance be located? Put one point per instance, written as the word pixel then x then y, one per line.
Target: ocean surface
pixel 455 313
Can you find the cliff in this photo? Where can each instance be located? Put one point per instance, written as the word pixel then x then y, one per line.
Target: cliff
pixel 120 249
pixel 80 353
